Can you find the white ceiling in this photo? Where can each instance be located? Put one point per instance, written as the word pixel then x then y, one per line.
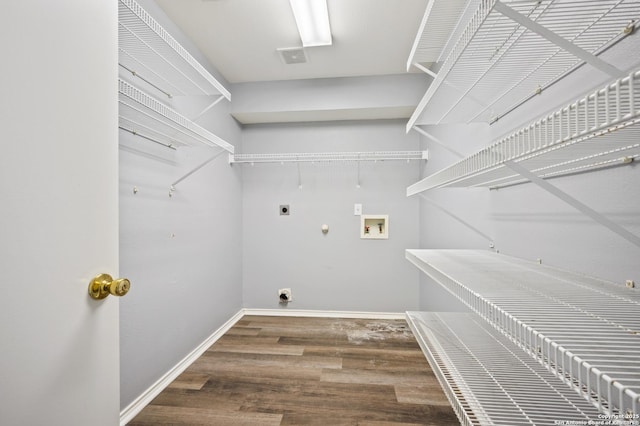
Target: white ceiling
pixel 240 37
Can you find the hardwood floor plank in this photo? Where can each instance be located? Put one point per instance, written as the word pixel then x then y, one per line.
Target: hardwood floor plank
pixel 381 362
pixel 161 415
pixel 242 331
pixel 189 380
pixel 375 377
pixel 231 371
pixel 367 353
pixel 321 415
pixel 283 361
pixel 258 349
pixel 185 398
pixel 306 371
pixel 428 393
pixel 235 340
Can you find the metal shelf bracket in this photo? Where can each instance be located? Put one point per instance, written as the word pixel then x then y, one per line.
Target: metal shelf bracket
pixel 216 155
pixel 588 211
pixel 458 219
pixel 438 141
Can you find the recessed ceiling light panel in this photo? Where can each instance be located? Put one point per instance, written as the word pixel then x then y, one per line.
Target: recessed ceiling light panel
pixel 312 18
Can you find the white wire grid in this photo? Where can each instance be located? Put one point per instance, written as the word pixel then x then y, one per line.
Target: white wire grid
pixel 141 114
pixel 153 54
pixel 488 379
pixel 320 157
pixel 497 64
pixel 584 330
pixel 435 30
pixel 596 131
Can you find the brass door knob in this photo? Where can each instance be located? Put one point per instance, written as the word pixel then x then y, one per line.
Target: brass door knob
pixel 104 285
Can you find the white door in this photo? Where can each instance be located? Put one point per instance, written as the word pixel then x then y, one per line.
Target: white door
pixel 58 212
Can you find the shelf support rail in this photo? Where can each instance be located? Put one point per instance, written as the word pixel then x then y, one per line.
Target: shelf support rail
pixel 586 210
pixel 216 155
pixel 437 141
pixel 558 40
pixel 214 103
pixel 458 219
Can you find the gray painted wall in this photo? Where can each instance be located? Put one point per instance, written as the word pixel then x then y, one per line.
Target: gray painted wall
pixel 337 271
pixel 183 253
pixel 440 230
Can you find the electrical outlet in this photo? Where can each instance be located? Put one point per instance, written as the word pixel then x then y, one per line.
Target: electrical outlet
pixel 284 295
pixel 630 284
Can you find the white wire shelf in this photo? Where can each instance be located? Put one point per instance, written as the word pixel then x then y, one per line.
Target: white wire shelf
pixel 435 30
pixel 145 116
pixel 322 157
pixel 488 379
pixel 584 330
pixel 149 51
pixel 596 131
pixel 497 63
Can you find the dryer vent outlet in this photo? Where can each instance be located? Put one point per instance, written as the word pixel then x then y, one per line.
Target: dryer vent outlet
pixel 284 295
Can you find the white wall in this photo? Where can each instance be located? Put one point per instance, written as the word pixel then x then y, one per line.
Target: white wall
pixel 337 271
pixel 58 212
pixel 182 253
pixel 328 99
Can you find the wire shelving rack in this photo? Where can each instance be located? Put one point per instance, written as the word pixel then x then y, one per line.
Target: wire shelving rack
pixel 498 63
pixel 596 131
pixel 142 114
pixel 583 330
pixel 148 51
pixel 488 379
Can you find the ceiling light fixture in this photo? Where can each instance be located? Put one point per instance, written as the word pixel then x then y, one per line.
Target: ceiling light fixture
pixel 312 18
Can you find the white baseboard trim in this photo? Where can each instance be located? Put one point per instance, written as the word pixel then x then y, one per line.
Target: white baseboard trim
pixel 324 314
pixel 147 396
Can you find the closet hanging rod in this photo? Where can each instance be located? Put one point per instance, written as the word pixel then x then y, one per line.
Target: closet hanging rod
pixel 321 157
pixel 136 133
pixel 135 74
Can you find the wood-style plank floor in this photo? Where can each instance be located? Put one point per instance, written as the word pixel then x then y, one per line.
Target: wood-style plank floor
pixel 306 371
